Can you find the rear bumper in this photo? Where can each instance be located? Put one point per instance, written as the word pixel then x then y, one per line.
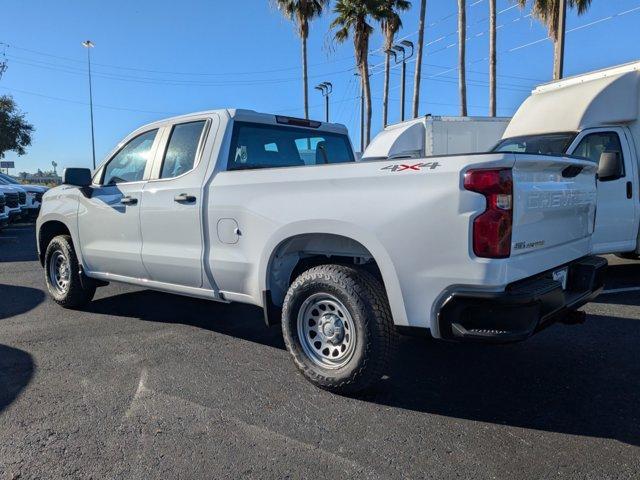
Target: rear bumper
pixel 524 308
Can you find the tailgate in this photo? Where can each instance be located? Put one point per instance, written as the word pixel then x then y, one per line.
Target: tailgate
pixel 554 202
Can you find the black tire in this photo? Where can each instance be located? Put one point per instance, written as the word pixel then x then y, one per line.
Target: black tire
pixel 77 292
pixel 366 302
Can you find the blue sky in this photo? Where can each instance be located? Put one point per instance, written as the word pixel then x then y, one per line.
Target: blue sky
pixel 154 59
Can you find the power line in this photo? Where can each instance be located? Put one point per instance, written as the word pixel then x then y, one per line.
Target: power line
pixel 77 102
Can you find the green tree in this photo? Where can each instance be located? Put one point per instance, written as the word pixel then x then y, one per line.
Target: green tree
pixel 302 12
pixel 15 131
pixel 390 24
pixel 418 70
pixel 548 12
pixel 352 17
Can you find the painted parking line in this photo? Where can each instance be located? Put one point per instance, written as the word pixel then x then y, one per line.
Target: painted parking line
pixel 621 290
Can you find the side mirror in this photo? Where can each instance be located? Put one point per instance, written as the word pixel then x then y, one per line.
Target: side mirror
pixel 610 166
pixel 79 177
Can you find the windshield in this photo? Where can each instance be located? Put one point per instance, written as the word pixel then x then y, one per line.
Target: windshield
pixel 7 179
pixel 547 144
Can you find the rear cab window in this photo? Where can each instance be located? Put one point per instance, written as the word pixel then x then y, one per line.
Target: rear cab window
pixel 255 146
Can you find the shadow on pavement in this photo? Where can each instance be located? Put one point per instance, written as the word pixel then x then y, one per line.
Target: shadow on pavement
pixel 573 380
pixel 18 243
pixel 235 319
pixel 15 300
pixel 16 370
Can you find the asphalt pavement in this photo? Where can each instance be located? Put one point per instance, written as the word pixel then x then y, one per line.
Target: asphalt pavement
pixel 145 385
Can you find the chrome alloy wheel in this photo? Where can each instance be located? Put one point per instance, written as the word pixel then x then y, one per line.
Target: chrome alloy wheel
pixel 326 331
pixel 59 271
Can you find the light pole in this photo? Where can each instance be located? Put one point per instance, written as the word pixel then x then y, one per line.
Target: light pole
pixel 402 50
pixel 88 44
pixel 325 88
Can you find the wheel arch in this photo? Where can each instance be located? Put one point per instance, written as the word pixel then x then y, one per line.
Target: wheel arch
pixel 47 231
pixel 297 249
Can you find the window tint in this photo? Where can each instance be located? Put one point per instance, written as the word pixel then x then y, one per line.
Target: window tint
pixel 593 145
pixel 549 144
pixel 181 149
pixel 272 146
pixel 129 163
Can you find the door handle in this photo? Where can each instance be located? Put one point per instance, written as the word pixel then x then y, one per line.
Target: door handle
pixel 183 197
pixel 128 200
pixel 629 190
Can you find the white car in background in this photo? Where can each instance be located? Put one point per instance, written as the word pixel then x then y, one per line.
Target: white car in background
pixel 33 194
pixel 12 201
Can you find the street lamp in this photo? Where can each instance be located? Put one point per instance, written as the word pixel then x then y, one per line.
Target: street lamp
pixel 402 49
pixel 88 44
pixel 325 88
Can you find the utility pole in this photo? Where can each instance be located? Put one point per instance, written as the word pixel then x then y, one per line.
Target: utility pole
pixel 558 65
pixel 361 119
pixel 88 44
pixel 402 50
pixel 325 88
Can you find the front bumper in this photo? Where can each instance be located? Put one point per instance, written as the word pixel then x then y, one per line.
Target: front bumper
pixel 524 308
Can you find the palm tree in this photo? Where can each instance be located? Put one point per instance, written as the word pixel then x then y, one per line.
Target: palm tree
pixel 390 24
pixel 351 19
pixel 302 12
pixel 548 12
pixel 492 58
pixel 462 45
pixel 418 70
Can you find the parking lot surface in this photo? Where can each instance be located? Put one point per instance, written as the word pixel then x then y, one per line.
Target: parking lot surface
pixel 147 385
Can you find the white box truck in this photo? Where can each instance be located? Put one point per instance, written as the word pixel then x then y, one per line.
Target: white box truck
pixel 593 116
pixel 434 135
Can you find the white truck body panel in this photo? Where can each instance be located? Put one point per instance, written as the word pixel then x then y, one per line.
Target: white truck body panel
pixel 434 135
pixel 605 101
pixel 413 218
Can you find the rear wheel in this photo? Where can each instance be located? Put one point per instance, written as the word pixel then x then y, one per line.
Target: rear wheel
pixel 337 326
pixel 63 276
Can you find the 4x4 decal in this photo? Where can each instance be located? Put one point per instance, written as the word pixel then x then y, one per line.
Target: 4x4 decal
pixel 411 166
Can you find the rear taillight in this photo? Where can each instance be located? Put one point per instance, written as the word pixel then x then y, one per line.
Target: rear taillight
pixel 492 228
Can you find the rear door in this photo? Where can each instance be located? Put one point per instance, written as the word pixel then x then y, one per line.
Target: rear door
pixel 109 214
pixel 616 230
pixel 171 216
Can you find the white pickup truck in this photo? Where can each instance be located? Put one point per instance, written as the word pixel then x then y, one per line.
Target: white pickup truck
pixel 594 116
pixel 234 205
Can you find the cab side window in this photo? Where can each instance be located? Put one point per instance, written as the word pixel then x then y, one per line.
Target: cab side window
pixel 129 163
pixel 182 149
pixel 595 144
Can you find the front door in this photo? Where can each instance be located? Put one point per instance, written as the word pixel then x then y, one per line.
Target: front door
pixel 109 212
pixel 615 230
pixel 171 215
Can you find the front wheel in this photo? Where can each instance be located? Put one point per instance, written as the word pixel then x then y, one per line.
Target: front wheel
pixel 337 325
pixel 62 274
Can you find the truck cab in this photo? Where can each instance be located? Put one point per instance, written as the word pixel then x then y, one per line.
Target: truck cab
pixel 592 116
